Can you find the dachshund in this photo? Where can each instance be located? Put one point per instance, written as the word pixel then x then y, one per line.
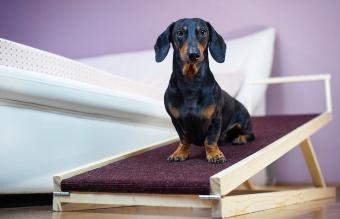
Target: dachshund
pixel 202 113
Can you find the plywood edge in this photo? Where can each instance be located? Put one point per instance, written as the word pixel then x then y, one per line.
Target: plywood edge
pixel 227 180
pixel 230 206
pixel 128 199
pixel 67 174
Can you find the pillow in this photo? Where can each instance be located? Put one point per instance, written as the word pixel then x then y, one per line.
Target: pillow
pixel 155 85
pixel 231 82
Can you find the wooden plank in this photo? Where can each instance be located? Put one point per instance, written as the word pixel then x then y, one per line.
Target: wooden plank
pixel 86 200
pixel 278 188
pixel 130 199
pixel 328 94
pixel 240 202
pixel 312 163
pixel 292 79
pixel 81 206
pixel 59 177
pixel 227 180
pixel 313 210
pixel 230 206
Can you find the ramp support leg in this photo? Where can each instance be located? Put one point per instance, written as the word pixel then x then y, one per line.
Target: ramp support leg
pixel 312 163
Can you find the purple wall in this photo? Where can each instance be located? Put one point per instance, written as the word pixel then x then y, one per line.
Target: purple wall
pixel 308 42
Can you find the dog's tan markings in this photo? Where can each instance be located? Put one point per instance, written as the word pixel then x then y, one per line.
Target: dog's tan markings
pixel 183 51
pixel 235 126
pixel 201 48
pixel 208 111
pixel 241 139
pixel 189 70
pixel 174 112
pixel 181 153
pixel 213 153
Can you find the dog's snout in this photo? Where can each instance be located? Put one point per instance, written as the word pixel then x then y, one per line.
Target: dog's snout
pixel 194 55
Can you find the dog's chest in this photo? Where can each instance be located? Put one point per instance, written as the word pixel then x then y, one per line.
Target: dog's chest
pixel 192 109
pixel 195 121
pixel 190 104
pixel 193 112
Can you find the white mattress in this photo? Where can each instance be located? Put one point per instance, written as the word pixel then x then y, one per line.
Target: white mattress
pixel 37 78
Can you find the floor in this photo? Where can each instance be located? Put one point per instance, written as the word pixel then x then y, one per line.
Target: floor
pixel 328 208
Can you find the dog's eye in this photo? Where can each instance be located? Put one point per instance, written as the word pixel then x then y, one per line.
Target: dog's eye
pixel 203 32
pixel 179 33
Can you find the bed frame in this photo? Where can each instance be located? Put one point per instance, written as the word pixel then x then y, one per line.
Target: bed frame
pixel 227 197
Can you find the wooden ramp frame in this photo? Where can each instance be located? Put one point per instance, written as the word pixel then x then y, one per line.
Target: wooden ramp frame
pixel 225 199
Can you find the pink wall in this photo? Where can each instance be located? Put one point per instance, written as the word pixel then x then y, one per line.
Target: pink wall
pixel 308 42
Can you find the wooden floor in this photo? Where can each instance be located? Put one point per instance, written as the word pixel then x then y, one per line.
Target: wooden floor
pixel 329 208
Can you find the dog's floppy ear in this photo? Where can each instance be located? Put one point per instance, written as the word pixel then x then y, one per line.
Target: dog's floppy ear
pixel 217 46
pixel 162 45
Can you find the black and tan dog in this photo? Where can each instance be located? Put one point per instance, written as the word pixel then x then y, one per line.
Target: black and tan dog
pixel 202 113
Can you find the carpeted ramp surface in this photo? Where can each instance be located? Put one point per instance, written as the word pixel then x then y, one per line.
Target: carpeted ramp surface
pixel 149 172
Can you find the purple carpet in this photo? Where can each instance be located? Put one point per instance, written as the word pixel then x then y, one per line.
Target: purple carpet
pixel 151 173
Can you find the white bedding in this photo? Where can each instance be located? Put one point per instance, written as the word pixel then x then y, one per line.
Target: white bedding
pixel 69 96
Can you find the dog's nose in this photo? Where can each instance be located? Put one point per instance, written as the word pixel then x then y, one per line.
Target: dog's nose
pixel 194 56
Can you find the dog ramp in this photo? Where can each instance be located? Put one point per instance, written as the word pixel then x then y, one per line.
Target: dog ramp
pixel 144 177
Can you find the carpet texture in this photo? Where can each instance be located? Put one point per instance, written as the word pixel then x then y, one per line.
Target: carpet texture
pixel 151 173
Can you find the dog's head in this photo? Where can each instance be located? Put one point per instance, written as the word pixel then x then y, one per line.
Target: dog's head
pixel 191 38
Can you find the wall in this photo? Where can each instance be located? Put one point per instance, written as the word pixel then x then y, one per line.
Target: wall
pixel 308 42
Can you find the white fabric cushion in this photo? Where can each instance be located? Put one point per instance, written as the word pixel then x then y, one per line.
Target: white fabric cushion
pixel 231 82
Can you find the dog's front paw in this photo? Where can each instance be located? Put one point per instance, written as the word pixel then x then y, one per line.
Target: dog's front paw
pixel 178 156
pixel 216 157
